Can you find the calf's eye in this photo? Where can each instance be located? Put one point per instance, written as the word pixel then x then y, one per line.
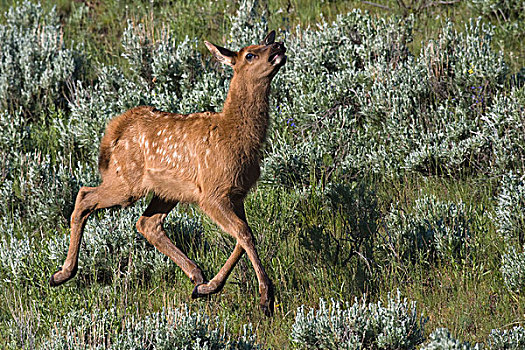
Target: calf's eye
pixel 249 56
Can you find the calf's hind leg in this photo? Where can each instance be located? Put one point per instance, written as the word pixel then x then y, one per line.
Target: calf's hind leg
pixel 150 226
pixel 88 200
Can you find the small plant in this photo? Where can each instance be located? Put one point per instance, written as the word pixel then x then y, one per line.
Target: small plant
pixel 512 339
pixel 397 325
pixel 16 255
pixel 510 210
pixel 513 269
pixel 510 222
pixel 432 228
pixel 442 339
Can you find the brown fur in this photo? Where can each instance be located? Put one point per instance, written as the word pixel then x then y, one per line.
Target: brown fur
pixel 210 159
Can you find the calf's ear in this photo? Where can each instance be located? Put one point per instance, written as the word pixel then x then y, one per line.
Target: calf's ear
pixel 270 38
pixel 222 54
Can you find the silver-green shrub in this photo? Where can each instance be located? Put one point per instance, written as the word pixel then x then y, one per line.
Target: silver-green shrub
pixel 353 94
pixel 35 66
pixel 363 325
pixel 248 25
pixel 431 227
pixel 509 218
pixel 442 339
pixel 320 94
pixel 17 255
pixel 513 269
pixel 163 67
pixel 169 329
pixel 287 166
pixel 14 134
pixel 434 103
pixel 509 214
pixel 511 339
pixel 502 132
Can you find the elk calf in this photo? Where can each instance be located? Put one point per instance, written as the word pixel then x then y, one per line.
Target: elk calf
pixel 211 159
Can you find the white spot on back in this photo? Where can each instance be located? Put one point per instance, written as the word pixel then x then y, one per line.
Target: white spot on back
pixel 206 157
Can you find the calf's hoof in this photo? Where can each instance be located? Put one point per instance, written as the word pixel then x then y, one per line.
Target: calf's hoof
pixel 268 301
pixel 61 277
pixel 204 289
pixel 196 293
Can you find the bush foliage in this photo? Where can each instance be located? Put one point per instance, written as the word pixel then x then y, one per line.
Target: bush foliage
pixel 363 325
pixel 168 329
pixel 35 65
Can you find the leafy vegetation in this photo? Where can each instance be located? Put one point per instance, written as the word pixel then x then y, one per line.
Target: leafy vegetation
pixel 394 166
pixel 361 326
